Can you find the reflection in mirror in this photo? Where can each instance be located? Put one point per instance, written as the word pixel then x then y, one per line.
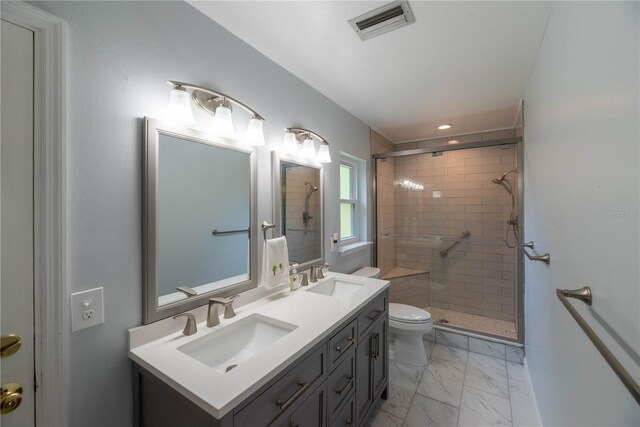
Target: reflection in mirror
pixel 201 188
pixel 199 219
pixel 300 211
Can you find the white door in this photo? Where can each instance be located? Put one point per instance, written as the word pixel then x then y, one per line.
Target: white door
pixel 16 228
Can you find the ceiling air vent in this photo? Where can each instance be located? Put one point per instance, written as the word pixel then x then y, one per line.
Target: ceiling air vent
pixel 382 20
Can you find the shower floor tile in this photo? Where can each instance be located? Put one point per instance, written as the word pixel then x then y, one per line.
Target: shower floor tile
pixel 473 322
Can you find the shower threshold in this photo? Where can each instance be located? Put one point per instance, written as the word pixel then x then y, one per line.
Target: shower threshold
pixel 472 322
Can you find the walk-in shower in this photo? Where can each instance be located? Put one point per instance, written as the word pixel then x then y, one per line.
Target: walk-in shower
pixel 447 231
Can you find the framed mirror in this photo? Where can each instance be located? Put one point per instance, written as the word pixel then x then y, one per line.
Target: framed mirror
pixel 299 208
pixel 199 219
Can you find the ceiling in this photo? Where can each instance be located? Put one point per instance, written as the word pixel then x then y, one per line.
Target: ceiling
pixel 465 63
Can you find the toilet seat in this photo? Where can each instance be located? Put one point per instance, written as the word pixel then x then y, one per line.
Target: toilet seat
pixel 403 313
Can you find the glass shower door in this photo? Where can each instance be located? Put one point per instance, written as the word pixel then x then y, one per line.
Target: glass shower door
pixel 442 220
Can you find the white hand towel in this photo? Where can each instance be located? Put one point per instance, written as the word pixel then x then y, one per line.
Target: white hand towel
pixel 275 263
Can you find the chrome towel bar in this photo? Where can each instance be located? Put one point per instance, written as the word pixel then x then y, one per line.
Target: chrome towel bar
pixel 265 226
pixel 222 233
pixel 465 235
pixel 546 258
pixel 584 295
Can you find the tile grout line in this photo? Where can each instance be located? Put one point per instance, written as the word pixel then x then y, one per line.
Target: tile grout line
pixel 464 380
pixel 509 391
pixel 413 398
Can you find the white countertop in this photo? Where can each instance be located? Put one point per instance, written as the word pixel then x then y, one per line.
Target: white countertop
pixel 218 393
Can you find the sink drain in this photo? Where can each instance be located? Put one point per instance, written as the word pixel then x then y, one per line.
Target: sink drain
pixel 230 367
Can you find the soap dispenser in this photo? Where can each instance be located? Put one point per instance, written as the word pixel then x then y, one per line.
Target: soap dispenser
pixel 294 282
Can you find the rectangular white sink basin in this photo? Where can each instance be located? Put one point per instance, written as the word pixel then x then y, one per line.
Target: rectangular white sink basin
pixel 231 345
pixel 336 288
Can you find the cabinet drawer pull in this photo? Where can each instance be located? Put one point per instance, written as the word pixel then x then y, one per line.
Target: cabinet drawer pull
pixel 284 404
pixel 375 314
pixel 375 344
pixel 340 349
pixel 346 386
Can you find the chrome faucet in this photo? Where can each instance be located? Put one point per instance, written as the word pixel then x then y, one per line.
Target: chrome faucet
pixel 305 280
pixel 213 318
pixel 190 328
pixel 316 272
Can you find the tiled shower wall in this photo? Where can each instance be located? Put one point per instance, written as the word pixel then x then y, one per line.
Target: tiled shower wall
pixel 479 274
pixel 303 243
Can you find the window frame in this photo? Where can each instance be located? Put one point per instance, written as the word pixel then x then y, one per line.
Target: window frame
pixel 354 200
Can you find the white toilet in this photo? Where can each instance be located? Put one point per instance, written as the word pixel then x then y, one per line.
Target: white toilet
pixel 407 325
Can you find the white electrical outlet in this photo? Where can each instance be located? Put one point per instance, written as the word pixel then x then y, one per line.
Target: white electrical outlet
pixel 87 309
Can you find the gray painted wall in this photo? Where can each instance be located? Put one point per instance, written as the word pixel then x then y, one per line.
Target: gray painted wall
pixel 120 55
pixel 582 187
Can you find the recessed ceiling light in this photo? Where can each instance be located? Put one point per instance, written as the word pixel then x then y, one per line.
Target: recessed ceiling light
pixel 452 141
pixel 444 127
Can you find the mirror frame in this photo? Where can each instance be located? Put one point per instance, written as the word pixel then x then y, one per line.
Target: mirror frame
pixel 277 159
pixel 151 311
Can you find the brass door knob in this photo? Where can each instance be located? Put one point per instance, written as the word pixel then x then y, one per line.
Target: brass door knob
pixel 11 397
pixel 9 344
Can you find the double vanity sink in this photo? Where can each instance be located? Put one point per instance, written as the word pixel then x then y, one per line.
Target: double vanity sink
pixel 316 356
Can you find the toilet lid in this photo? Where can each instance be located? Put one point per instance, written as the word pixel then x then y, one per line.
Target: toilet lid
pixel 408 313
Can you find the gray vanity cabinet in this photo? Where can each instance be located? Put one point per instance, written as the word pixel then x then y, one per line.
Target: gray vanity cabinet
pixel 334 384
pixel 372 368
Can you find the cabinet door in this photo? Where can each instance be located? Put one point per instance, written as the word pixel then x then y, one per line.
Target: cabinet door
pixel 311 413
pixel 364 390
pixel 380 355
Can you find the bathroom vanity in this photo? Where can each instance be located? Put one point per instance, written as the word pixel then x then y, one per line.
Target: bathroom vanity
pixel 314 357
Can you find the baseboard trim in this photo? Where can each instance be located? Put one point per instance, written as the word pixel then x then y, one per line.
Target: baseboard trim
pixel 532 391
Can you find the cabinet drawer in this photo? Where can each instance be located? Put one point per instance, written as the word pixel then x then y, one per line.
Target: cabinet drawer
pixel 286 393
pixel 340 344
pixel 346 415
pixel 341 383
pixel 370 314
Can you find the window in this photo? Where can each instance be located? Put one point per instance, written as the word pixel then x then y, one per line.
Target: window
pixel 348 200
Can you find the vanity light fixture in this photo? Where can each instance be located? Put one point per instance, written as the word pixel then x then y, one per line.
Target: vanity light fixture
pixel 289 143
pixel 222 121
pixel 219 106
pixel 309 149
pixel 445 126
pixel 323 153
pixel 294 138
pixel 179 109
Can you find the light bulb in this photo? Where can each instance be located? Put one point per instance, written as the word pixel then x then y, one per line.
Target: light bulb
pixel 309 149
pixel 254 134
pixel 222 123
pixel 289 143
pixel 179 108
pixel 323 153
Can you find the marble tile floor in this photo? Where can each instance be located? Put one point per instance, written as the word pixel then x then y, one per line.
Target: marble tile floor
pixel 456 388
pixel 473 322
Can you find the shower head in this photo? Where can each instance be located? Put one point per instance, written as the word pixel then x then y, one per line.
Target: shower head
pixel 504 175
pixel 501 181
pixel 312 187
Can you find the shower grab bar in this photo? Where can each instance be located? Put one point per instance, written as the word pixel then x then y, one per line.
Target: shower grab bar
pixel 584 294
pixel 546 258
pixel 265 226
pixel 465 235
pixel 222 233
